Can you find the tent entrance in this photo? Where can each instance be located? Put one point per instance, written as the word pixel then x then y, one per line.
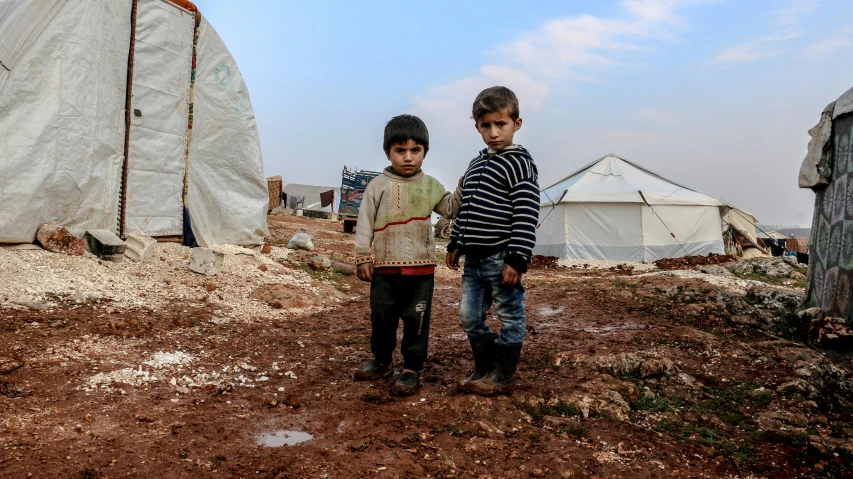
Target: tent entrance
pixel 159 75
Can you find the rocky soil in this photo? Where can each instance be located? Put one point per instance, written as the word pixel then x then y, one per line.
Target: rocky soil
pixel 147 370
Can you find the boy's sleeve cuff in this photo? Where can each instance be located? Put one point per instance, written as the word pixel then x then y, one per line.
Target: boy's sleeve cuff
pixel 363 259
pixel 518 262
pixel 452 246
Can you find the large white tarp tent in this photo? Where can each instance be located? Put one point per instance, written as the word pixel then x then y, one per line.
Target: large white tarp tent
pixel 615 210
pixel 81 147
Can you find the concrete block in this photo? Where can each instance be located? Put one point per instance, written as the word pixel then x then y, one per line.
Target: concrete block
pixel 140 247
pixel 206 261
pixel 55 238
pixel 105 245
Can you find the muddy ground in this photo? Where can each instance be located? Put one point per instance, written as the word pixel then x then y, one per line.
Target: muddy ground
pixel 623 374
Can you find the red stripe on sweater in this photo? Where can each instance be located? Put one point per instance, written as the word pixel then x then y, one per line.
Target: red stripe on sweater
pixel 401 223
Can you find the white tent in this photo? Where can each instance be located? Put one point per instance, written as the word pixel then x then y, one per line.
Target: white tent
pixel 615 210
pixel 116 115
pixel 307 197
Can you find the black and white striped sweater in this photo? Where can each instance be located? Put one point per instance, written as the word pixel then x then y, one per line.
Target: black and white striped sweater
pixel 500 207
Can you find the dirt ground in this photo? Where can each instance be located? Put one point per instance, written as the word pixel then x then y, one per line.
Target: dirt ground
pixel 623 374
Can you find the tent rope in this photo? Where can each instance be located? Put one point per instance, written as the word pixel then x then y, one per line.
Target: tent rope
pixel 553 206
pixel 664 224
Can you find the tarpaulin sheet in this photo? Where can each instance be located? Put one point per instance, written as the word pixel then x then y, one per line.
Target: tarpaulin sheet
pixel 159 117
pixel 830 278
pixel 227 192
pixel 62 121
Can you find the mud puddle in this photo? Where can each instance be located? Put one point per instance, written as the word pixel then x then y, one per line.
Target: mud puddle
pixel 283 438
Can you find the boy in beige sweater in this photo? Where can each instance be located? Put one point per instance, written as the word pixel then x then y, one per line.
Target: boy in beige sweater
pixel 395 217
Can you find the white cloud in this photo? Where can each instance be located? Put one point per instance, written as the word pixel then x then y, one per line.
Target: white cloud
pixel 824 49
pixel 794 12
pixel 618 140
pixel 657 117
pixel 787 22
pixel 452 102
pixel 561 51
pixel 760 49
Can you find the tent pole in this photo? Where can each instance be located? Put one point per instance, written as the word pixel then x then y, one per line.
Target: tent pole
pixel 127 119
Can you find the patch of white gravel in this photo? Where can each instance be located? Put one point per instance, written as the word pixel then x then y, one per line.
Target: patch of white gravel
pixel 38 279
pixel 174 368
pixel 163 359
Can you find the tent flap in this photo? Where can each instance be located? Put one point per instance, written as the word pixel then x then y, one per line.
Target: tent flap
pixel 227 193
pixel 160 107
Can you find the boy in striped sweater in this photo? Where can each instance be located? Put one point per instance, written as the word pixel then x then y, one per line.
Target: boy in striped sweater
pixel 495 231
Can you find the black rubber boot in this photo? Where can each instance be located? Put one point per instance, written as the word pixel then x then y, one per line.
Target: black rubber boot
pixel 484 360
pixel 373 370
pixel 502 378
pixel 406 384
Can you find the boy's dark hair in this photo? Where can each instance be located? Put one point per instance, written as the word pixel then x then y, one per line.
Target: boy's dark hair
pixel 403 128
pixel 496 98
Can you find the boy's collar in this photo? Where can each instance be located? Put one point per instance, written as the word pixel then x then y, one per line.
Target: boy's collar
pixel 491 151
pixel 389 171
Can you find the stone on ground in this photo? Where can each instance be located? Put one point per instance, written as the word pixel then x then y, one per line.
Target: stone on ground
pixel 105 245
pixel 140 247
pixel 206 261
pixel 56 239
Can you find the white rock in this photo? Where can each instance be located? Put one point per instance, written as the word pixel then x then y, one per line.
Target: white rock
pixel 206 261
pixel 140 247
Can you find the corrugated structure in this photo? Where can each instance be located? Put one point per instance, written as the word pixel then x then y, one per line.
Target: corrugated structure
pixel 118 115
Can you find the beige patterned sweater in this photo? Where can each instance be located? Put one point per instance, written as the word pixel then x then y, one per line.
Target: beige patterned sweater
pixel 395 217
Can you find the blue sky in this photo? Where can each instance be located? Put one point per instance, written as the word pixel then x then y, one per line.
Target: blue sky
pixel 717 95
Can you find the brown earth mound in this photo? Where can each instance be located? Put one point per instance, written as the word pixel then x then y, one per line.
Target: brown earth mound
pixel 688 262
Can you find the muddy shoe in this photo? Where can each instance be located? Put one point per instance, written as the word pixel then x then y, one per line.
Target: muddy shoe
pixel 406 384
pixel 501 379
pixel 484 361
pixel 373 370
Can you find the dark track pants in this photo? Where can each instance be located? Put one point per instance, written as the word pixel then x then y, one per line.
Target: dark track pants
pixel 394 297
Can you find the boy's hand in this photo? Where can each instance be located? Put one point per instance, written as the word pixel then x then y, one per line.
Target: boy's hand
pixel 452 260
pixel 511 277
pixel 364 272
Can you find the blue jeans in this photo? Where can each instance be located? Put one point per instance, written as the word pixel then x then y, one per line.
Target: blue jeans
pixel 481 286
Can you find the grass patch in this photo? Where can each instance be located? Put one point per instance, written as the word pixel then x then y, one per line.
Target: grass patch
pixel 743 451
pixel 653 404
pixel 774 280
pixel 685 431
pixel 578 430
pixel 543 362
pixel 560 409
pixel 727 403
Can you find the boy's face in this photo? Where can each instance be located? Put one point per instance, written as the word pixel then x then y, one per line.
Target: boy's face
pixel 497 129
pixel 406 158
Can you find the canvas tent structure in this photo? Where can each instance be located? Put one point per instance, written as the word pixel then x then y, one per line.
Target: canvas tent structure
pixel 309 197
pixel 828 170
pixel 613 209
pixel 740 220
pixel 117 115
